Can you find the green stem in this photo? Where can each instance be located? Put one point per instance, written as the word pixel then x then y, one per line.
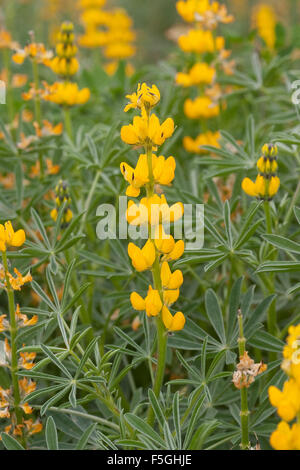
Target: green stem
pixel 37 110
pixel 290 209
pixel 268 216
pixel 244 393
pixel 68 122
pixel 9 96
pixel 89 198
pixel 162 338
pixel 272 317
pixel 13 340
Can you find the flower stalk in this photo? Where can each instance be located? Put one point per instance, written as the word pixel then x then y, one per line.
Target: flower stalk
pixel 244 391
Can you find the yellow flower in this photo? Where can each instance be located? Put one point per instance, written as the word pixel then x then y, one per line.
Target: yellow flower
pixel 4 324
pixel 66 94
pixel 200 73
pixel 286 437
pixel 143 131
pixel 26 360
pixel 145 96
pixel 287 402
pixel 65 63
pixel 163 173
pixel 208 138
pixel 18 281
pixel 154 211
pixel 35 51
pixel 197 40
pixel 62 196
pixel 64 67
pixel 23 319
pixel 172 323
pixel 265 21
pixel 6 41
pixel 203 12
pixel 170 280
pixel 144 258
pixel 176 252
pixel 201 107
pixel 8 237
pixel 152 303
pixel 262 187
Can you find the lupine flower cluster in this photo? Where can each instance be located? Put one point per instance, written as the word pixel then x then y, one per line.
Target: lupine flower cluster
pixel 287 400
pixel 13 405
pixel 62 197
pixel 66 92
pixel 153 211
pixel 265 21
pixel 108 29
pixel 206 51
pixel 267 182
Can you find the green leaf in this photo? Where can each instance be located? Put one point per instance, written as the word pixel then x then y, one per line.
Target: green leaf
pixel 227 221
pixel 51 434
pixel 283 243
pixel 86 436
pixel 157 408
pixel 234 304
pixel 279 267
pixel 56 361
pixel 10 442
pixel 141 426
pixel 176 419
pixel 265 341
pixel 297 213
pixel 85 356
pixel 214 314
pixel 40 226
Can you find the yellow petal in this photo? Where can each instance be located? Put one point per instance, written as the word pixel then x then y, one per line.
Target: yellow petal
pixel 137 302
pixel 18 238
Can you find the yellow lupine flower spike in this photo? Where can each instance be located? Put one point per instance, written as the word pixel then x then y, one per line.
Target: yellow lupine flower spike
pixel 287 401
pixel 65 63
pixel 267 183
